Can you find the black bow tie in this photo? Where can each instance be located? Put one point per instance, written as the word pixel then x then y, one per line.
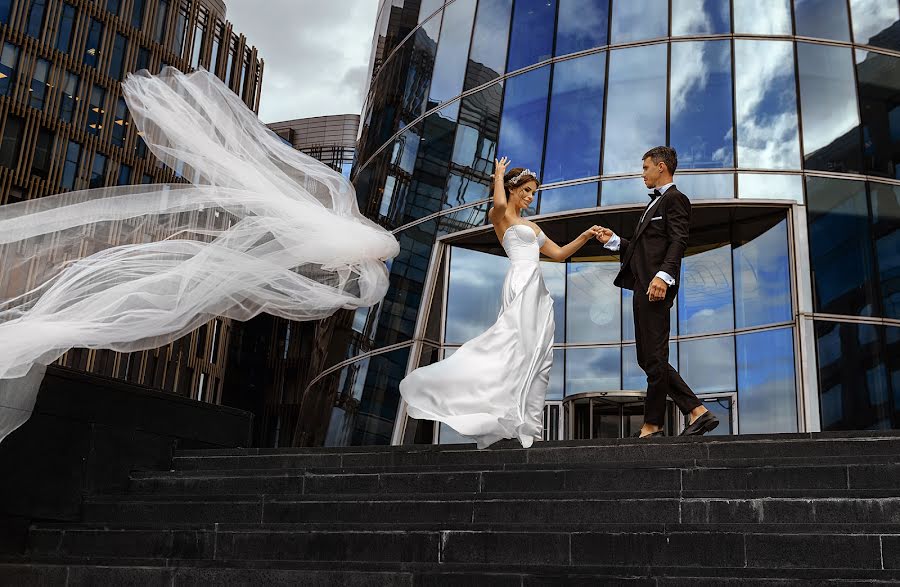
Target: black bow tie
pixel 654 194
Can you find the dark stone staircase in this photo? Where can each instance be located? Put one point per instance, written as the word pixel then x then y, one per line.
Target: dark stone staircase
pixel 800 509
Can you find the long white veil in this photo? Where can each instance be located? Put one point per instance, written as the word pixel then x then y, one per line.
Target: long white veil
pixel 260 227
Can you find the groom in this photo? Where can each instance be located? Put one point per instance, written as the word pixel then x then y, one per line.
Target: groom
pixel 651 265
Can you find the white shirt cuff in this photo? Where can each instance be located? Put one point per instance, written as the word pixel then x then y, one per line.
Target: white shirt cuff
pixel 613 243
pixel 666 277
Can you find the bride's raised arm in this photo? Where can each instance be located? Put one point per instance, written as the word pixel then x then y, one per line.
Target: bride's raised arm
pixel 558 253
pixel 499 187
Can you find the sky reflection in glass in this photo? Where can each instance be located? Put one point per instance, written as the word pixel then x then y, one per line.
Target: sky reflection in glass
pixel 767 398
pixel 581 24
pixel 700 17
pixel 524 118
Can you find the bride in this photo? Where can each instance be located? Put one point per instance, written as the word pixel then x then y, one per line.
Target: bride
pixel 493 387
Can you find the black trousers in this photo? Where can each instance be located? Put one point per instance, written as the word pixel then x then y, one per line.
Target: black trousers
pixel 651 331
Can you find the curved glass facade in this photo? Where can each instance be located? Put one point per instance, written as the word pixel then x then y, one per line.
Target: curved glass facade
pixel 786 118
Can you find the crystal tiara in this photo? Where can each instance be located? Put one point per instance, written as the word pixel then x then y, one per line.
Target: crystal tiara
pixel 524 173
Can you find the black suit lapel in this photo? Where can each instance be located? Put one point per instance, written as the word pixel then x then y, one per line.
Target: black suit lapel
pixel 644 224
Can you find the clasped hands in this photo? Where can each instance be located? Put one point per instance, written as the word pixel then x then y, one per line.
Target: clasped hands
pixel 658 288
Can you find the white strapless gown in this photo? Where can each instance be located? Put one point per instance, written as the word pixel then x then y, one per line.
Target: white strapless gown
pixel 494 386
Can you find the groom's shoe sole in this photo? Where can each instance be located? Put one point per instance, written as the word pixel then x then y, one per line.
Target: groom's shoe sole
pixel 703 424
pixel 657 433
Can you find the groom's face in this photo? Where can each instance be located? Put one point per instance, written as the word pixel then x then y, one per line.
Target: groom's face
pixel 652 172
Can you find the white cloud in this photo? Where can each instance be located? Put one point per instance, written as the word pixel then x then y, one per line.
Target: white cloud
pixel 316 53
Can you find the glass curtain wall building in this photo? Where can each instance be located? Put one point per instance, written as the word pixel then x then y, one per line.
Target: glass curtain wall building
pixel 65 126
pixel 786 118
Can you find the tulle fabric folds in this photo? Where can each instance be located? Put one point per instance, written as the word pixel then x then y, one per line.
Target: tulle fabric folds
pixel 260 227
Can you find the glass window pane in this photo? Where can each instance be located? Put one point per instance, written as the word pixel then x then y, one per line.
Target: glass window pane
pixel 531 39
pixel 555 280
pixel 593 304
pixel 69 92
pixel 524 118
pixel 874 23
pixel 5 7
pixel 64 31
pixel 428 184
pixel 557 376
pixel 576 119
pixel 98 171
pixel 70 167
pixel 593 370
pixel 767 393
pixel 452 52
pixel 705 186
pixel 417 78
pixel 636 106
pixel 124 174
pixel 475 147
pixel 886 231
pixel 573 197
pixel 637 20
pixel 487 58
pixel 43 152
pixel 822 19
pixel 762 17
pixel 117 61
pixel 120 124
pixel 840 247
pixel 9 63
pixel 35 18
pixel 143 59
pixel 705 298
pixel 199 33
pixel 707 364
pixel 92 47
pixel 137 14
pixel 10 143
pixel 766 104
pixel 701 17
pixel 428 7
pixel 162 12
pixel 701 104
pixel 762 285
pixel 473 296
pixel 879 95
pixel 831 139
pixel 581 24
pixel 96 110
pixel 854 389
pixel 39 84
pixel 180 29
pixel 769 186
pixel 631 190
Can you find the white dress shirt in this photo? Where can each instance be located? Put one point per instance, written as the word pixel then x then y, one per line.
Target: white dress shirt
pixel 614 241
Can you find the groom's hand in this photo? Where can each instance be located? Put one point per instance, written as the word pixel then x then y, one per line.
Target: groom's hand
pixel 604 234
pixel 657 290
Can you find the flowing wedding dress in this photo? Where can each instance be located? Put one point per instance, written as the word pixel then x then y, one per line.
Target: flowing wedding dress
pixel 260 227
pixel 493 387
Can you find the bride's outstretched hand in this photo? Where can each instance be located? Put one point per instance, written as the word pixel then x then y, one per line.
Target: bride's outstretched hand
pixel 592 232
pixel 500 166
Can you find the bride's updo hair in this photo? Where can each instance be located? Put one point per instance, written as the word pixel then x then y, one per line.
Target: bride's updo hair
pixel 508 184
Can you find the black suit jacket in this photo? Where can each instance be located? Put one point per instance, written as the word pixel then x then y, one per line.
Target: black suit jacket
pixel 658 244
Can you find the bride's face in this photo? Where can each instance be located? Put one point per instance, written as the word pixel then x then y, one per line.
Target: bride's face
pixel 523 196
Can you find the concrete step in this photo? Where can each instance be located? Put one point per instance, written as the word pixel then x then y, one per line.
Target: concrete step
pixel 800 506
pixel 179 573
pixel 676 545
pixel 708 478
pixel 620 450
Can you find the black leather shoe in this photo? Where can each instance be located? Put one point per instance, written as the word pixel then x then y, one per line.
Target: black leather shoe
pixel 657 433
pixel 703 424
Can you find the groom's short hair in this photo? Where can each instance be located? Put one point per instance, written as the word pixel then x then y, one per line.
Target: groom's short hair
pixel 665 154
